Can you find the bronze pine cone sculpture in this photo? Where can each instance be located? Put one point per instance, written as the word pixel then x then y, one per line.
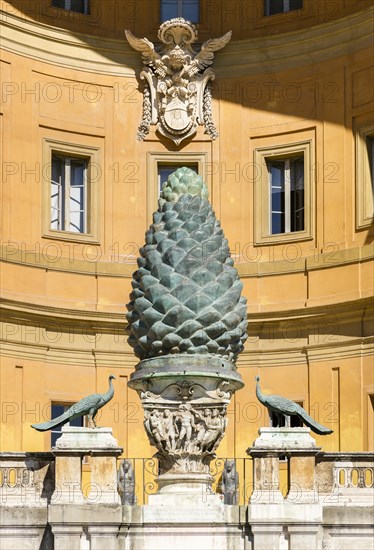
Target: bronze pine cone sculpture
pixel 186 296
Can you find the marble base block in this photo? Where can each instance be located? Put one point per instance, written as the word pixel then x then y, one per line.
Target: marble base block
pixel 190 489
pixel 71 447
pixel 87 439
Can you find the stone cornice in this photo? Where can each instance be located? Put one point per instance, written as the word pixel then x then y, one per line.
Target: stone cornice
pixel 241 58
pixel 328 351
pixel 313 45
pixel 17 253
pixel 13 311
pixel 124 358
pixel 119 355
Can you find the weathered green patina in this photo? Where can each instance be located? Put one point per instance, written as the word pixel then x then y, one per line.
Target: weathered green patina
pixel 186 295
pixel 87 406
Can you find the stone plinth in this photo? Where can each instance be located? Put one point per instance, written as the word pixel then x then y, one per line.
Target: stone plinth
pixel 300 449
pixel 71 447
pixel 79 438
pixel 301 510
pixel 68 478
pixel 284 439
pixel 266 478
pixel 184 527
pixel 189 489
pixel 185 400
pixel 94 526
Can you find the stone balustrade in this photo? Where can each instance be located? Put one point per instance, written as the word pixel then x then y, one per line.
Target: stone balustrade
pixel 26 478
pixel 340 513
pixel 346 478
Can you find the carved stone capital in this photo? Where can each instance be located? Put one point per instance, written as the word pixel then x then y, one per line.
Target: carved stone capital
pixel 185 407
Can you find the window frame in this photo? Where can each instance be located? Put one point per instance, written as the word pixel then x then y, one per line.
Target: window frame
pixel 67 3
pixel 179 159
pixel 364 177
pixel 93 157
pixel 262 192
pixel 65 218
pixel 179 4
pixel 286 8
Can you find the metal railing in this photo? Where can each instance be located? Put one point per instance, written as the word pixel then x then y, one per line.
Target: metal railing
pixel 146 472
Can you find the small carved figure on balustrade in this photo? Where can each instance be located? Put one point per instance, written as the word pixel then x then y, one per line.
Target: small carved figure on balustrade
pixel 126 483
pixel 230 483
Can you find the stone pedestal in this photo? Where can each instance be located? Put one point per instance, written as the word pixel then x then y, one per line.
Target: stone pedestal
pixel 183 527
pixel 301 467
pixel 185 400
pixel 303 537
pixel 267 535
pixel 189 489
pixel 71 447
pixel 265 478
pixel 103 537
pixel 67 536
pixel 300 514
pixel 93 526
pixel 300 449
pixel 68 467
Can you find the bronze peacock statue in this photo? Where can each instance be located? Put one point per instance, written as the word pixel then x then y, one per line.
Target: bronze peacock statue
pixel 280 405
pixel 87 406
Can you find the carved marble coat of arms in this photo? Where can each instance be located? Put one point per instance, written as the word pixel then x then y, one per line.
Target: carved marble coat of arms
pixel 177 95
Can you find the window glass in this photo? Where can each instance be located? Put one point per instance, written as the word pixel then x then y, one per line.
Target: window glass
pixel 370 150
pixel 297 195
pixel 169 9
pixel 78 6
pixel 69 191
pixel 77 196
pixel 56 193
pixel 287 203
pixel 189 9
pixel 277 197
pixel 271 7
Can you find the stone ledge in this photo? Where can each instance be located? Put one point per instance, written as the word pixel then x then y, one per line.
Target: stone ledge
pixel 242 57
pixel 82 514
pixel 246 270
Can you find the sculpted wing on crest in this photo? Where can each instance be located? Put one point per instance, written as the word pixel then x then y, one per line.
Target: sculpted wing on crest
pixel 146 47
pixel 206 55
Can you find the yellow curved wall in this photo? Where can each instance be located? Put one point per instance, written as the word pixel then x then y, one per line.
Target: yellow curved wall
pixel 63 302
